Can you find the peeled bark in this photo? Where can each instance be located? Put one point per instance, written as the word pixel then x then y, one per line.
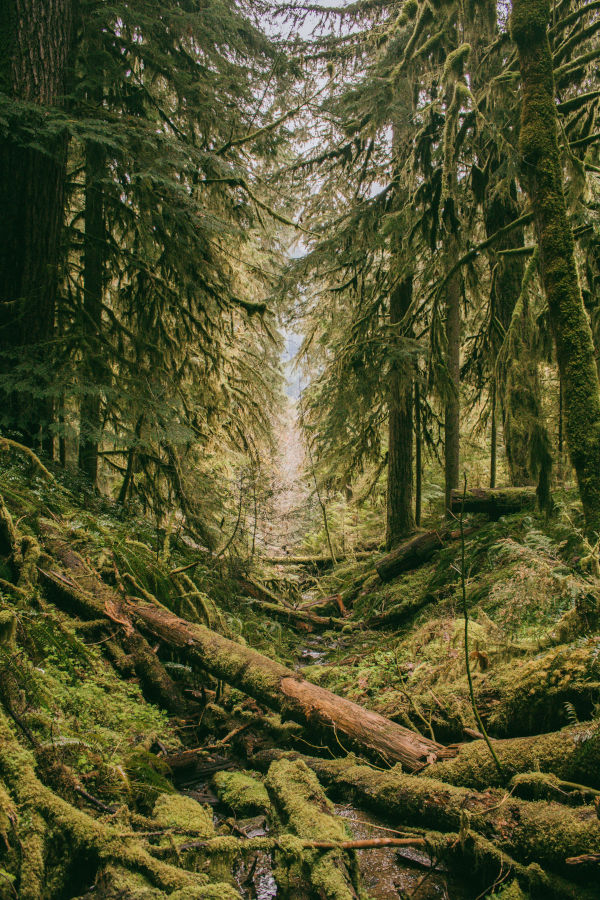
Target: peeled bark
pixel 542 175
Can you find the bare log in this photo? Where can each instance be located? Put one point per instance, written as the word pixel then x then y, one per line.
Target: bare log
pixel 279 688
pixel 494 503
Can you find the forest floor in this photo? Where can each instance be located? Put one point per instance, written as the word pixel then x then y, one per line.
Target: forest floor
pixel 128 770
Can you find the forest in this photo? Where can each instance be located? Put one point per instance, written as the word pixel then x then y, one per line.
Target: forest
pixel 299 449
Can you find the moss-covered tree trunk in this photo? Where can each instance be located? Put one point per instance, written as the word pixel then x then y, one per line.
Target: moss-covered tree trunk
pixel 542 174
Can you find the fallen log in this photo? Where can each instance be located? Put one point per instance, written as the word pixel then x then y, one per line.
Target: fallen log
pixel 415 552
pixel 493 503
pixel 411 554
pixel 572 754
pixel 303 807
pixel 311 621
pixel 267 681
pixel 532 832
pixel 84 592
pixel 316 562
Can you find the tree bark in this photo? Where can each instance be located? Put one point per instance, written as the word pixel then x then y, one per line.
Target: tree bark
pixel 93 286
pixel 36 39
pixel 400 519
pixel 542 174
pixel 452 405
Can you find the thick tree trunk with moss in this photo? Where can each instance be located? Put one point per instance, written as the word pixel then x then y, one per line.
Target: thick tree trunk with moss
pixel 452 404
pixel 35 40
pixel 542 174
pixel 400 518
pixel 93 290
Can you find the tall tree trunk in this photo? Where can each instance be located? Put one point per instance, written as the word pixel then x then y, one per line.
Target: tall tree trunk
pixel 400 519
pixel 542 173
pixel 494 440
pixel 36 37
pixel 452 405
pixel 90 413
pixel 418 456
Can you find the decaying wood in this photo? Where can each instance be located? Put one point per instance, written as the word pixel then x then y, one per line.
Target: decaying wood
pixel 80 589
pixel 494 503
pixel 337 719
pixel 545 833
pixel 317 562
pixel 415 552
pixel 411 554
pixel 572 754
pixel 303 807
pixel 311 621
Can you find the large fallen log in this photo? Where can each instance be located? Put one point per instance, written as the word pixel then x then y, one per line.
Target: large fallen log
pixel 531 832
pixel 315 562
pixel 303 807
pixel 337 719
pixel 572 754
pixel 493 503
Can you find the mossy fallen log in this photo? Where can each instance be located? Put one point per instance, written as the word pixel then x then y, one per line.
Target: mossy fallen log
pixel 531 832
pixel 279 688
pixel 572 754
pixel 302 617
pixel 82 591
pixel 493 502
pixel 415 552
pixel 303 807
pixel 315 562
pixel 411 554
pixel 42 816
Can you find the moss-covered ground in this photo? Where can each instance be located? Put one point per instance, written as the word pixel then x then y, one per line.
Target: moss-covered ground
pixel 72 699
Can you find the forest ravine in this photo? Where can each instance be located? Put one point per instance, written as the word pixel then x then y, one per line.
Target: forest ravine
pixel 299 450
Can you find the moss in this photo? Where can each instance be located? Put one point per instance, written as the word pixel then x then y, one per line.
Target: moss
pixel 241 792
pixel 178 811
pixel 455 61
pixel 8 627
pixel 301 802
